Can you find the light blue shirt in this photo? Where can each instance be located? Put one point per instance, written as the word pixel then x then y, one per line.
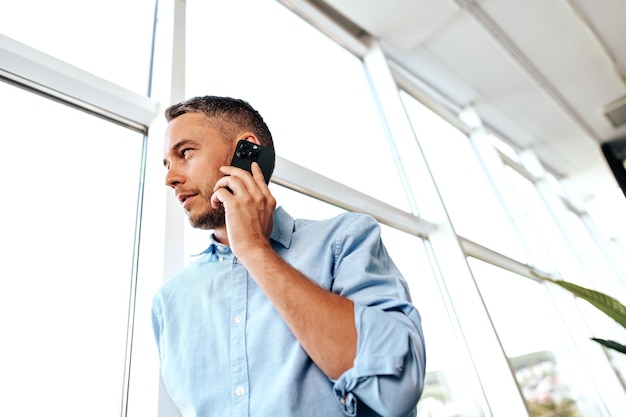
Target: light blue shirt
pixel 225 351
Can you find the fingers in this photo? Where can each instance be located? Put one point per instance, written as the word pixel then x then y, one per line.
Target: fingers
pixel 237 181
pixel 257 174
pixel 217 199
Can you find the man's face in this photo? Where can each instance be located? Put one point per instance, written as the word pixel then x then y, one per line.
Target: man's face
pixel 193 154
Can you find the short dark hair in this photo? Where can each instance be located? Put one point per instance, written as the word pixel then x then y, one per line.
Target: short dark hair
pixel 229 115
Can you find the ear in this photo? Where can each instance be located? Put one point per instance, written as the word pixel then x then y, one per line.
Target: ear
pixel 249 136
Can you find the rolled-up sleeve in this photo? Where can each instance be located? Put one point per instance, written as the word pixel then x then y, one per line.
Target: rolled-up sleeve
pixel 388 371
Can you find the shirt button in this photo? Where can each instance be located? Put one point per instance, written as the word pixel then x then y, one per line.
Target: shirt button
pixel 239 391
pixel 221 258
pixel 238 319
pixel 238 261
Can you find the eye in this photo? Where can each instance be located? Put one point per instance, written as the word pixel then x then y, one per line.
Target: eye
pixel 185 152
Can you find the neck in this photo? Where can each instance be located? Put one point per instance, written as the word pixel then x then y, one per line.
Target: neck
pixel 221 236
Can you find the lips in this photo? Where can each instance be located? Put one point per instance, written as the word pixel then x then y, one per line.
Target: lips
pixel 184 198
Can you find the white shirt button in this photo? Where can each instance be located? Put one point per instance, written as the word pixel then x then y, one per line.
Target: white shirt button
pixel 239 391
pixel 238 319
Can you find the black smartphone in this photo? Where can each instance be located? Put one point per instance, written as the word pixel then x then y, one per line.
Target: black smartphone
pixel 248 152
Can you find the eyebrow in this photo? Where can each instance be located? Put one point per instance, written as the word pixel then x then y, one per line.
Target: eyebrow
pixel 174 149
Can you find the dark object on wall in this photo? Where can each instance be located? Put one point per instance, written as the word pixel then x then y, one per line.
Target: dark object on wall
pixel 615 154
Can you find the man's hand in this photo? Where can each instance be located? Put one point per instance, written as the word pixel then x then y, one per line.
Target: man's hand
pixel 249 209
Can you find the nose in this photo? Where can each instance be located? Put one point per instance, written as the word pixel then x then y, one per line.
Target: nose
pixel 173 177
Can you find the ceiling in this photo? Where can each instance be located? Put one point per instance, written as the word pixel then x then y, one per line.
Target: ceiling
pixel 539 73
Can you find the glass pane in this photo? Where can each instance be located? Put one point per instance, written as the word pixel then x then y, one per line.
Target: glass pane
pixel 598 272
pixel 110 39
pixel 451 386
pixel 607 210
pixel 470 201
pixel 548 246
pixel 541 353
pixel 312 93
pixel 67 236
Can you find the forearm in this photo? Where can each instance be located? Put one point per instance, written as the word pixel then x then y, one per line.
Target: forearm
pixel 323 322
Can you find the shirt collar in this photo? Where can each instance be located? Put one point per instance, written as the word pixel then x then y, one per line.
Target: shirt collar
pixel 282 232
pixel 283 227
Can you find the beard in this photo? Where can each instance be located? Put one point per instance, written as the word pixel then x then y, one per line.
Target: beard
pixel 209 219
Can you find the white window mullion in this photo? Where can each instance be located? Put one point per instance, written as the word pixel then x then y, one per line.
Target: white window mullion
pixel 498 382
pixel 51 77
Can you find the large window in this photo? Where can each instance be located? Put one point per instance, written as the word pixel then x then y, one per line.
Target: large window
pixel 470 201
pixel 110 39
pixel 74 275
pixel 68 225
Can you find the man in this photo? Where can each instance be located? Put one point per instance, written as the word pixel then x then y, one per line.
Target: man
pixel 278 317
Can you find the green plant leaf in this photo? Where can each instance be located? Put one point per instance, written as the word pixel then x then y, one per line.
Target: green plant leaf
pixel 610 344
pixel 608 305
